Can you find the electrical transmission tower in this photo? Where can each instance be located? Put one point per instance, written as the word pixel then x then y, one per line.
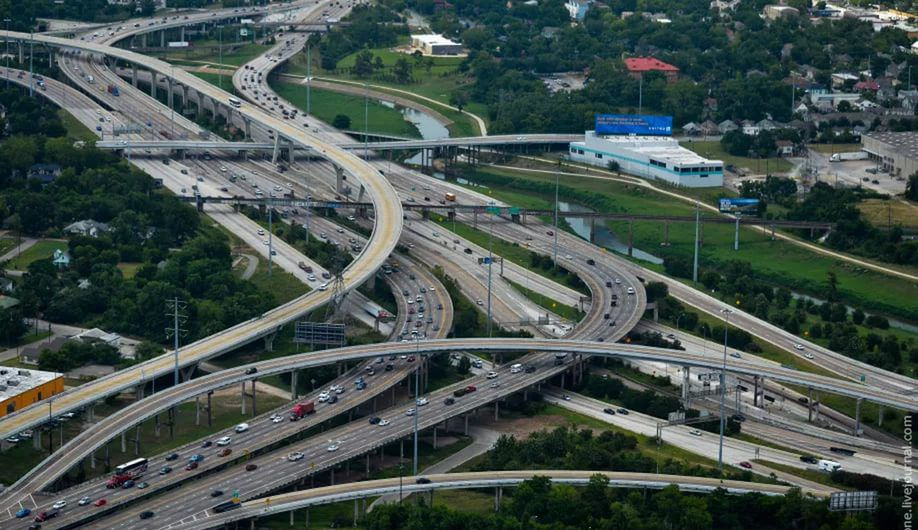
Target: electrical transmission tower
pixel 332 310
pixel 176 310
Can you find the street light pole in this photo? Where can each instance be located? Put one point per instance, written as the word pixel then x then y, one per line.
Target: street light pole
pixel 220 46
pixel 490 264
pixel 417 397
pixel 557 184
pixel 723 392
pixel 7 21
pixel 171 105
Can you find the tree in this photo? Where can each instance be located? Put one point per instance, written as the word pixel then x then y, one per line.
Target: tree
pixel 147 350
pixel 832 278
pixel 363 64
pixel 12 327
pixel 911 187
pixel 459 99
pixel 465 365
pixel 147 8
pixel 341 121
pixel 402 70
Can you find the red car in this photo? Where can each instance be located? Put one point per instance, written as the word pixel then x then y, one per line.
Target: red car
pixel 470 388
pixel 100 502
pixel 411 358
pixel 191 465
pixel 746 465
pixel 225 452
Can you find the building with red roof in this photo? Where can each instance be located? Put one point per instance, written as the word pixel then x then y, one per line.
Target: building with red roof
pixel 637 66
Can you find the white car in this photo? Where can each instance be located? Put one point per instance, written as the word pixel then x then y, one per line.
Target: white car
pixel 242 427
pixel 323 397
pixel 431 289
pixel 492 375
pixel 311 277
pixel 383 423
pixel 409 412
pixel 799 347
pixel 261 232
pixel 695 432
pixel 323 287
pixel 808 355
pixel 494 384
pixel 59 504
pixel 224 441
pixel 223 169
pixel 293 457
pixel 84 501
pixel 421 401
pixel 332 448
pixel 278 419
pixel 631 290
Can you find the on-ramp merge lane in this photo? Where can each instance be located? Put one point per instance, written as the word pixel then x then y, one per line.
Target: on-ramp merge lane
pixel 386 230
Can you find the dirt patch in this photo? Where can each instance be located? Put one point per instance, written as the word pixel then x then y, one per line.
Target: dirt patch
pixel 521 428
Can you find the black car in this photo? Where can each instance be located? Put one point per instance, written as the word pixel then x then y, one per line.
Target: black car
pixel 738 417
pixel 208 443
pixel 609 411
pixel 173 456
pixel 530 369
pixel 250 371
pixel 146 515
pixel 622 411
pixel 423 480
pixel 449 401
pixel 389 367
pixel 392 357
pixel 374 420
pixel 809 459
pixel 332 399
pixel 216 493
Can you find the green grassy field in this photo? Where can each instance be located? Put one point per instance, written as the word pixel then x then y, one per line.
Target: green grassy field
pixel 283 285
pixel 7 244
pixel 714 151
pixel 564 311
pixel 75 129
pixel 232 56
pixel 893 212
pixel 327 104
pixel 128 270
pixel 834 148
pixel 40 250
pixel 778 261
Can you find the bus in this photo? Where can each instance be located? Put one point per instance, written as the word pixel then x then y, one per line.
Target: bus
pixel 127 471
pixel 235 102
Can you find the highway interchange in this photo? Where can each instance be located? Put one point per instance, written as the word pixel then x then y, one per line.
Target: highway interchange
pixel 386 185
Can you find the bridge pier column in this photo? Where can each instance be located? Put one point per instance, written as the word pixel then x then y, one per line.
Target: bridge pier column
pixel 242 395
pixel 686 380
pixel 435 437
pixel 498 494
pixel 197 410
pixel 269 341
pixel 755 393
pixel 182 33
pixel 184 98
pixel 156 425
pixel 170 97
pixel 136 440
pixel 139 392
pixel 123 441
pixel 248 130
pixel 91 413
pixel 274 153
pixel 134 75
pixel 152 84
pixel 36 439
pixel 254 400
pixel 92 460
pixel 496 410
pixel 630 237
pixel 880 416
pixel 210 417
pixel 563 379
pixel 162 39
pixel 332 477
pixel 356 511
pixel 857 417
pixel 465 428
pixel 339 179
pixel 294 393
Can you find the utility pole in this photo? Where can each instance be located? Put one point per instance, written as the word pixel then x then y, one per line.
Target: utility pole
pixel 417 397
pixel 557 184
pixel 271 232
pixel 640 93
pixel 220 46
pixel 176 309
pixel 366 121
pixel 491 208
pixel 697 225
pixel 31 74
pixel 308 79
pixel 7 21
pixel 723 393
pixel 171 105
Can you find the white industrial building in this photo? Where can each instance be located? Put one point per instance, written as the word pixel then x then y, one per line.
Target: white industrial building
pixel 433 44
pixel 651 157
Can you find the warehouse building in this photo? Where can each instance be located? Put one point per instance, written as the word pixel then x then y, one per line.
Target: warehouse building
pixel 895 152
pixel 651 157
pixel 434 44
pixel 20 388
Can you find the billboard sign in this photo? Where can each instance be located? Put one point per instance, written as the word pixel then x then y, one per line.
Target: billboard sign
pixel 179 44
pixel 738 205
pixel 634 124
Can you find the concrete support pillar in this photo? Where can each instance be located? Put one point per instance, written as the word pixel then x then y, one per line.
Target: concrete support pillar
pixel 254 401
pixel 139 391
pixel 269 341
pixel 92 460
pixel 880 416
pixel 248 128
pixel 498 495
pixel 136 441
pixel 156 425
pixel 36 439
pixel 134 75
pixel 152 84
pixel 356 513
pixel 435 437
pixel 294 393
pixel 368 464
pixel 170 97
pixel 91 413
pixel 123 441
pixel 162 39
pixel 465 429
pixel 563 379
pixel 339 179
pixel 496 410
pixel 755 394
pixel 686 380
pixel 197 410
pixel 242 395
pixel 332 476
pixel 857 417
pixel 210 417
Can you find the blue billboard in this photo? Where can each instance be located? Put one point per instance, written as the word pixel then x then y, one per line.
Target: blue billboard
pixel 738 205
pixel 636 124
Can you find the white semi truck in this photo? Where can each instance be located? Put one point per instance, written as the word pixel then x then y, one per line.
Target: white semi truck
pixel 841 157
pixel 828 465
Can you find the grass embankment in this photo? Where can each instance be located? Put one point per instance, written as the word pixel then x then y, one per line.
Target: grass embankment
pixel 889 212
pixel 779 262
pixel 564 311
pixel 326 104
pixel 758 166
pixel 233 54
pixel 75 128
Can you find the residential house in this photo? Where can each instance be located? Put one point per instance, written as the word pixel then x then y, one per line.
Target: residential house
pixel 774 12
pixel 840 79
pixel 726 126
pixel 785 147
pixel 98 336
pixel 691 129
pixel 30 354
pixel 867 86
pixel 749 127
pixel 637 66
pixel 61 259
pixel 46 173
pixel 87 227
pixel 577 9
pixel 709 128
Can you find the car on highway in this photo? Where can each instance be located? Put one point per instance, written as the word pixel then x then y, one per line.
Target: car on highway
pixel 165 470
pixel 449 401
pixel 143 485
pixel 23 512
pixel 84 501
pixel 799 347
pixel 332 448
pixel 736 355
pixel 196 458
pixel 808 355
pixel 422 480
pixel 421 401
pixel 609 411
pixel 146 514
pixel 295 456
pixel 171 457
pixel 128 484
pixel 631 290
pixel 374 420
pixel 206 444
pixel 224 441
pixel 745 464
pixel 242 427
pixel 383 422
pixel 100 502
pixel 251 467
pixel 251 370
pixel 622 411
pixel 216 493
pixel 409 412
pixel 492 375
pixel 809 459
pixel 494 384
pixel 225 452
pixel 695 432
pixel 59 504
pixel 277 419
pixel 191 466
